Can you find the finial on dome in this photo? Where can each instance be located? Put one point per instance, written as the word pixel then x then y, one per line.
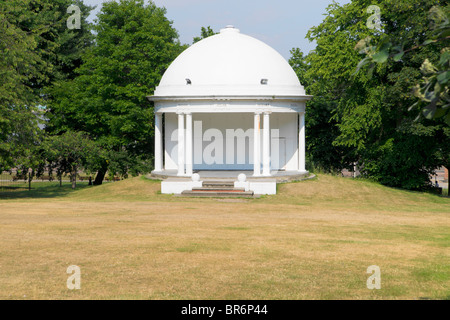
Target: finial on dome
pixel 229 28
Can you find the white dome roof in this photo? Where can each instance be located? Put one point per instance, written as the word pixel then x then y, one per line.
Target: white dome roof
pixel 229 64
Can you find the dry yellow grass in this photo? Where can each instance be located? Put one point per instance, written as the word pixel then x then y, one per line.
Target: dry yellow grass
pixel 314 240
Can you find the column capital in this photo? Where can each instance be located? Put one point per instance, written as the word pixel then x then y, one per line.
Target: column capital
pixel 267 112
pixel 179 112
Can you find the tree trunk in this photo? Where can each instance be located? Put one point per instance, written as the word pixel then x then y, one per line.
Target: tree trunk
pixel 100 175
pixel 74 179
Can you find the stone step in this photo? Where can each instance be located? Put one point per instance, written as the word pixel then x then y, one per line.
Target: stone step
pixel 213 184
pixel 219 188
pixel 224 193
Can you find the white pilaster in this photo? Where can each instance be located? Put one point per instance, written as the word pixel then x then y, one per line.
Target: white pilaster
pixel 266 144
pixel 181 152
pixel 189 144
pixel 158 142
pixel 257 145
pixel 301 142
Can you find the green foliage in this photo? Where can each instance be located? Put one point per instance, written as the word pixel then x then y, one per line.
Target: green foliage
pixel 321 131
pixel 394 162
pixel 69 152
pixel 36 48
pixel 432 90
pixel 19 63
pixel 205 33
pixel 299 64
pixel 135 43
pixel 365 116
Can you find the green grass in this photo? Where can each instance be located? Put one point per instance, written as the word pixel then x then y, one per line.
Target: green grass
pixel 40 190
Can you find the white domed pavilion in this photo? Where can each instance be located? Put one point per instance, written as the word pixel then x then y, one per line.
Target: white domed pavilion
pixel 231 103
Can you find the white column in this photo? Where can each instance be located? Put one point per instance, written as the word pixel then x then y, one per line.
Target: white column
pixel 158 142
pixel 189 144
pixel 257 145
pixel 181 153
pixel 266 144
pixel 301 142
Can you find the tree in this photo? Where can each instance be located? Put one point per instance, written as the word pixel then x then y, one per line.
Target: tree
pixel 370 112
pixel 135 44
pixel 300 65
pixel 205 33
pixel 432 91
pixel 321 131
pixel 18 64
pixel 70 152
pixel 36 49
pixel 31 162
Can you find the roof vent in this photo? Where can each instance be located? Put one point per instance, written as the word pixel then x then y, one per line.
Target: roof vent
pixel 264 81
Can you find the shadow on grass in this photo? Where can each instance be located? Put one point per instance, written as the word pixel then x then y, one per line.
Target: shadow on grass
pixel 41 190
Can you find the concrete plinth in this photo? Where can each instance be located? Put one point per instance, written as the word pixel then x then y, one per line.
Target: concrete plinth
pixel 172 184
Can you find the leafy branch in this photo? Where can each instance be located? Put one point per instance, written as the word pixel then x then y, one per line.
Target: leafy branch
pixel 432 90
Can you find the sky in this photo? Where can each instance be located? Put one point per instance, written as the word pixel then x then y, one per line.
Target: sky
pixel 282 24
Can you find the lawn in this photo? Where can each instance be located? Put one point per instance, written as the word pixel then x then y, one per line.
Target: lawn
pixel 314 240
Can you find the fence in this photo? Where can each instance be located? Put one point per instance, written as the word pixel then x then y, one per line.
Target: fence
pixel 11 180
